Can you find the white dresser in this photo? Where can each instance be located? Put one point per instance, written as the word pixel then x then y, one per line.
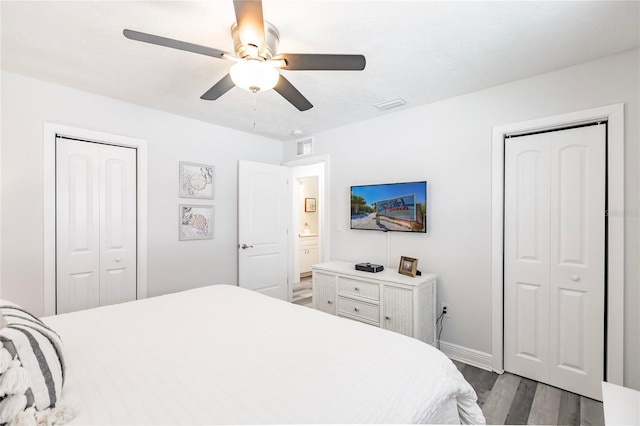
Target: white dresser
pixel 384 299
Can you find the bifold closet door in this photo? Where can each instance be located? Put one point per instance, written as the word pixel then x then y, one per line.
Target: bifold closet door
pixel 95 225
pixel 554 258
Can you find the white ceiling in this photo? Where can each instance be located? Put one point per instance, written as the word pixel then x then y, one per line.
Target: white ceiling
pixel 422 51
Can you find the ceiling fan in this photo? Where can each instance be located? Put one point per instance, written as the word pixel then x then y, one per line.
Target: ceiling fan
pixel 257 62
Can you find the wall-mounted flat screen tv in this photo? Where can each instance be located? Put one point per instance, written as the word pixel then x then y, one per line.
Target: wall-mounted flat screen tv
pixel 390 207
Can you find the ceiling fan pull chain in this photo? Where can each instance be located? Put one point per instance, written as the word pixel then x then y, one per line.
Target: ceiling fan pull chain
pixel 254 112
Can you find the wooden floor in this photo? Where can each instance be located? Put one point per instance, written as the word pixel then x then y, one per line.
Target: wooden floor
pixel 514 400
pixel 303 293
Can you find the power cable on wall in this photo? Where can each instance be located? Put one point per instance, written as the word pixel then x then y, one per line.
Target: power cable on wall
pixel 441 321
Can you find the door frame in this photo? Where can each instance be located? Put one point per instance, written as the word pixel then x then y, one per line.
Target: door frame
pixel 50 132
pixel 323 216
pixel 614 115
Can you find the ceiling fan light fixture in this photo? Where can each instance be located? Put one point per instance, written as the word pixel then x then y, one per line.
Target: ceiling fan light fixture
pixel 254 75
pixel 257 62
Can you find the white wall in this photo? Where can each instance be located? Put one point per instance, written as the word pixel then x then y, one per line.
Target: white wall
pixel 448 143
pixel 309 190
pixel 172 265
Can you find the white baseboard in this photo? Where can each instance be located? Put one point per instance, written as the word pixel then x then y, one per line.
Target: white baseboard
pixel 468 356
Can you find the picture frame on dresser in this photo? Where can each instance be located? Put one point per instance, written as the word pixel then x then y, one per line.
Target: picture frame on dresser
pixel 408 266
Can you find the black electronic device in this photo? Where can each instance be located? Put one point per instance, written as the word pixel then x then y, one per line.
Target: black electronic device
pixel 369 267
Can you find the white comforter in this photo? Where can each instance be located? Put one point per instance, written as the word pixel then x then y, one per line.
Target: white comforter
pixel 225 355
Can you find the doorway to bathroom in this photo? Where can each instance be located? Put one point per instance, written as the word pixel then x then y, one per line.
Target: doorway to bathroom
pixel 308 239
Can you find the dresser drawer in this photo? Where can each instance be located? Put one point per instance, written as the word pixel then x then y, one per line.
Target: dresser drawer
pixel 358 309
pixel 358 288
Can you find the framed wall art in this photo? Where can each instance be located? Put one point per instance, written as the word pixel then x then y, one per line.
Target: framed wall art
pixel 196 180
pixel 309 204
pixel 408 266
pixel 196 222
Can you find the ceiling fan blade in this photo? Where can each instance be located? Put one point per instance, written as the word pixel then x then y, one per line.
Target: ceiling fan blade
pixel 290 93
pixel 218 89
pixel 250 22
pixel 174 44
pixel 318 62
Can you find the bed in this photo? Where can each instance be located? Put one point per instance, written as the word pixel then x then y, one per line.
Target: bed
pixel 225 355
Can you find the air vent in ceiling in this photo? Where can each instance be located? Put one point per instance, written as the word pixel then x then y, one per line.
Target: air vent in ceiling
pixel 304 146
pixel 394 103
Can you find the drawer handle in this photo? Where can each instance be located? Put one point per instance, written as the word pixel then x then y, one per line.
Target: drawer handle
pixel 356 309
pixel 329 302
pixel 387 318
pixel 357 289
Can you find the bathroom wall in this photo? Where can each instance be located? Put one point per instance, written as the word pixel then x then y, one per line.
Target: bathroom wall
pixel 309 189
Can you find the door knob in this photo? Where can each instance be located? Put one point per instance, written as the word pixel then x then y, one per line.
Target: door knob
pixel 575 278
pixel 244 246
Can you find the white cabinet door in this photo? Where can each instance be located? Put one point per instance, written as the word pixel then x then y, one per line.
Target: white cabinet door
pixel 95 225
pixel 324 292
pixel 308 254
pixel 397 311
pixel 554 258
pixel 312 255
pixel 305 260
pixel 262 228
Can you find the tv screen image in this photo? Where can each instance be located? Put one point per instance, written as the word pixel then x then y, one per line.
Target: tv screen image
pixel 390 207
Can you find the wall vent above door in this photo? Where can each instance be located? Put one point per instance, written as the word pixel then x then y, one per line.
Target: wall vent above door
pixel 304 146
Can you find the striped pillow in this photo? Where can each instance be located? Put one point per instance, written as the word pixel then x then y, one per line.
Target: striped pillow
pixel 34 346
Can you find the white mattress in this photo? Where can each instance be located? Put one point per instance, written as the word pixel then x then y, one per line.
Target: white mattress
pixel 225 355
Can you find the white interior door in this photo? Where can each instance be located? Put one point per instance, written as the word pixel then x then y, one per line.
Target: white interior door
pixel 262 228
pixel 554 258
pixel 95 225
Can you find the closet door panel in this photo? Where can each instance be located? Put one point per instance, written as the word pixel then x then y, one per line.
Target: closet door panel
pixel 577 273
pixel 117 225
pixel 526 261
pixel 77 225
